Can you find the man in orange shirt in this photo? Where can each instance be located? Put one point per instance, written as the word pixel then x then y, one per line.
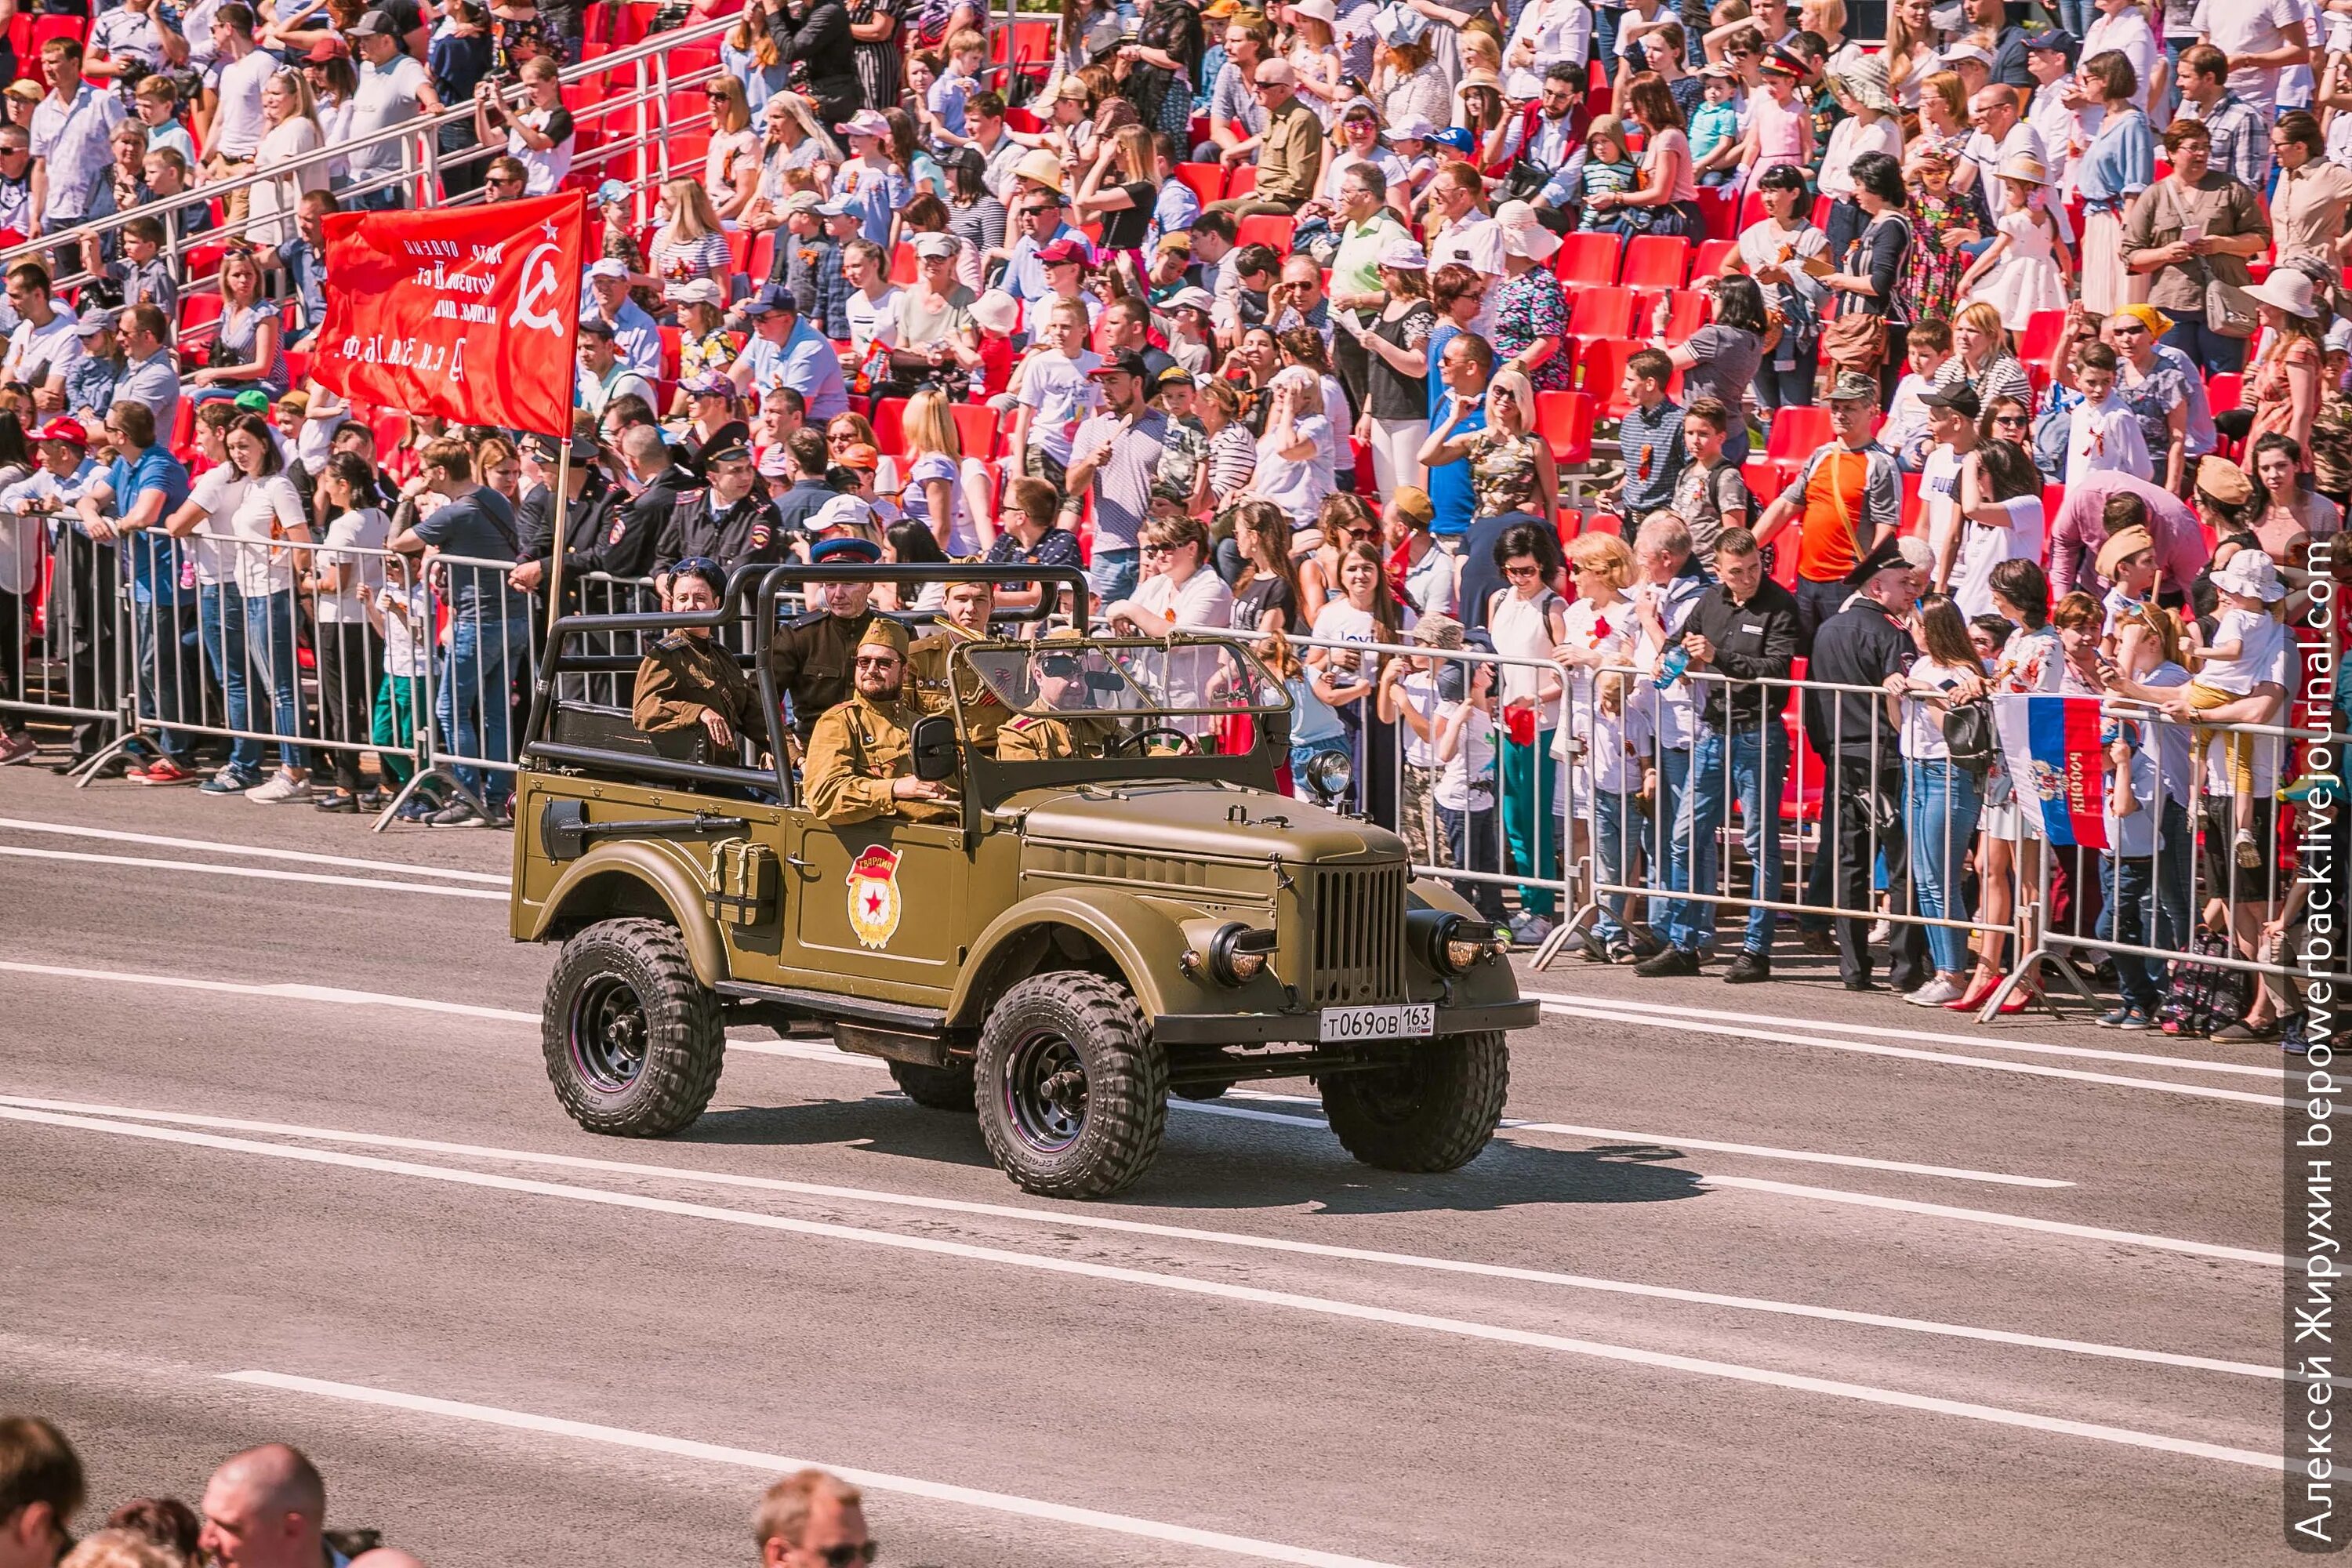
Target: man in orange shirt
pixel 1849 498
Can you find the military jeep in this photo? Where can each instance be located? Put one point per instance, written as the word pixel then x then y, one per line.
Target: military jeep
pixel 1093 933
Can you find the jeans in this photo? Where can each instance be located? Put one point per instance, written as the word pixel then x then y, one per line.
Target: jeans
pixel 1693 809
pixel 1470 839
pixel 1604 37
pixel 270 650
pixel 1753 760
pixel 1816 603
pixel 2071 16
pixel 1612 859
pixel 470 709
pixel 1112 574
pixel 1792 387
pixel 2214 354
pixel 220 623
pixel 1530 780
pixel 2131 920
pixel 168 687
pixel 1940 817
pixel 388 199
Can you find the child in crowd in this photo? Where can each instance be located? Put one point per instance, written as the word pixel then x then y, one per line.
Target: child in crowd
pixel 1056 392
pixel 1780 127
pixel 1608 167
pixel 1904 433
pixel 874 182
pixel 1314 726
pixel 146 277
pixel 403 619
pixel 944 115
pixel 2127 561
pixel 1409 699
pixel 1711 494
pixel 2127 868
pixel 1409 140
pixel 1650 436
pixel 1623 770
pixel 2103 432
pixel 1463 793
pixel 1715 143
pixel 2249 643
pixel 2026 269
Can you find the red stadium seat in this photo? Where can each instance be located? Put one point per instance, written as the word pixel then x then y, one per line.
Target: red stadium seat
pixel 1605 523
pixel 1765 480
pixel 1270 229
pixel 1206 181
pixel 1656 261
pixel 1587 258
pixel 1913 517
pixel 1712 254
pixel 1796 432
pixel 1600 313
pixel 1601 372
pixel 1566 418
pixel 673 352
pixel 1719 204
pixel 890 426
pixel 976 429
pixel 1240 181
pixel 904 268
pixel 2225 392
pixel 763 256
pixel 2041 335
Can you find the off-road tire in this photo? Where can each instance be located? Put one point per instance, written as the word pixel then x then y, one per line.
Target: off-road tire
pixel 1436 1112
pixel 586 1030
pixel 939 1089
pixel 1085 1023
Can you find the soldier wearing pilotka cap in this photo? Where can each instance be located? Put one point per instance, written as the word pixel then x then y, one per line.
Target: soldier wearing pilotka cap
pixel 861 755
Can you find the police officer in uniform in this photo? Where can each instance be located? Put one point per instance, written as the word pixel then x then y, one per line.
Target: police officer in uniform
pixel 730 521
pixel 689 679
pixel 811 655
pixel 861 758
pixel 964 620
pixel 587 518
pixel 1061 683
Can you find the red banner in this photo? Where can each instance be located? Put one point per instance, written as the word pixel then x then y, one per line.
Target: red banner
pixel 470 314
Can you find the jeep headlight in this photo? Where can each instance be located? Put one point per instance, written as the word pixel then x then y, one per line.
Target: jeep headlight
pixel 1235 954
pixel 1452 943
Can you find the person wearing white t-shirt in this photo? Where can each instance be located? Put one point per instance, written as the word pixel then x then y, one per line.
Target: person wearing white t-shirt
pixel 2001 512
pixel 1057 391
pixel 1182 593
pixel 1465 790
pixel 348 649
pixel 394 90
pixel 2248 644
pixel 2104 432
pixel 2262 38
pixel 254 516
pixel 873 299
pixel 1470 236
pixel 228 115
pixel 44 335
pixel 2123 28
pixel 1952 427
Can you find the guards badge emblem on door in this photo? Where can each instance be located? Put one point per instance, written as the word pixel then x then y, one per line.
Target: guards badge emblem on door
pixel 874 896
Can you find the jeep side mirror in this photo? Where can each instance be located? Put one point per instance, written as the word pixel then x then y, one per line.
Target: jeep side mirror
pixel 937 756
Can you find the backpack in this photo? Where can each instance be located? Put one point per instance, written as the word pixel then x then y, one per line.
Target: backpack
pixel 2203 994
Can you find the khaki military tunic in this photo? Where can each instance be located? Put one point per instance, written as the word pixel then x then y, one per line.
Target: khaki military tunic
pixel 927 674
pixel 684 675
pixel 1033 738
pixel 812 659
pixel 856 750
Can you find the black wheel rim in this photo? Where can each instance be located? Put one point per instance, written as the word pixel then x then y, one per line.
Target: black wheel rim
pixel 608 1033
pixel 1045 1093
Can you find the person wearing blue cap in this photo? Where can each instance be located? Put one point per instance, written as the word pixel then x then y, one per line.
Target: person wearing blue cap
pixel 785 350
pixel 812 656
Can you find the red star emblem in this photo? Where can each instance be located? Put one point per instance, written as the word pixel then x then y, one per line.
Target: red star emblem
pixel 873 903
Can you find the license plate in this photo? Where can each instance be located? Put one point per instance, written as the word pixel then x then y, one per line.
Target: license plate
pixel 1414 1021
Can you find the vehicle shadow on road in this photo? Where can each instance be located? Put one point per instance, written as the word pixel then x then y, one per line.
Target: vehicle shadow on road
pixel 1224 1164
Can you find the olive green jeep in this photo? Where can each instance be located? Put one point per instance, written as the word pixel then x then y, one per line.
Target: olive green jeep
pixel 1093 933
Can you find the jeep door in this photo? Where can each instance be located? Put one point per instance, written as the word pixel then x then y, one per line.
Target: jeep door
pixel 876 906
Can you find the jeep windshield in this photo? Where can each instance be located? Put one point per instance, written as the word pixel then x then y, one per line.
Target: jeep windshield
pixel 1188 682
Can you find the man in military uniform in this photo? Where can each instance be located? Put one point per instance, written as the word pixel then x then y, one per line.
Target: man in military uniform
pixel 689 679
pixel 811 655
pixel 964 620
pixel 1061 683
pixel 860 759
pixel 587 518
pixel 730 521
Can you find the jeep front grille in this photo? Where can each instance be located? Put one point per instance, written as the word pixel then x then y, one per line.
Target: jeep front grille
pixel 1356 943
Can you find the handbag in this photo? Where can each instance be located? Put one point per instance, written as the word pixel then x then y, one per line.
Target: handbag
pixel 1855 341
pixel 2228 312
pixel 1968 736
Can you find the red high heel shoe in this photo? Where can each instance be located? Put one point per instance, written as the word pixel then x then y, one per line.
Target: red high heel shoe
pixel 2019 1000
pixel 1980 987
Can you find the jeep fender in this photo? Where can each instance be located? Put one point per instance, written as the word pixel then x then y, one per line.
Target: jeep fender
pixel 1146 942
pixel 659 868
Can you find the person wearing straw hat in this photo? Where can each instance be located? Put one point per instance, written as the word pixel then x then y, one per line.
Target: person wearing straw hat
pixel 2282 389
pixel 2019 272
pixel 1868 127
pixel 1530 307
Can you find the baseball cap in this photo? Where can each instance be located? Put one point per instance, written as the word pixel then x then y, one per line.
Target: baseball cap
pixel 611 191
pixel 934 246
pixel 1965 50
pixel 1958 398
pixel 1062 251
pixel 858 454
pixel 1127 362
pixel 93 322
pixel 327 49
pixel 803 202
pixel 2053 39
pixel 840 206
pixel 696 291
pixel 843 512
pixel 776 463
pixel 69 431
pixel 1190 298
pixel 254 402
pixel 595 327
pixel 771 300
pixel 711 385
pixel 373 24
pixel 608 267
pixel 1174 375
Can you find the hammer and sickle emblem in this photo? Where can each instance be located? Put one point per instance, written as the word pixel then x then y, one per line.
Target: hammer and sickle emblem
pixel 540 285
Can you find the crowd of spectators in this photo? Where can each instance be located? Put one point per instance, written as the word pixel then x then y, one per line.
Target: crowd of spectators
pixel 1661 351
pixel 267 1508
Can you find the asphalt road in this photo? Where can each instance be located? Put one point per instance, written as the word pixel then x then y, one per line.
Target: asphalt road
pixel 1778 1275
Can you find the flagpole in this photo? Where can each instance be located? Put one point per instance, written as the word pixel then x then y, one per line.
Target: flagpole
pixel 555 564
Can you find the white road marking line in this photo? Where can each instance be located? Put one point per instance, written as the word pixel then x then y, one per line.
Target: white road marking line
pixel 777 1464
pixel 1600 1013
pixel 258 851
pixel 1072 1217
pixel 810 1050
pixel 1184 1285
pixel 2142 1058
pixel 25 852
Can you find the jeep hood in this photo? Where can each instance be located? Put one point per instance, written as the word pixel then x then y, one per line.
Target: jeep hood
pixel 1187 818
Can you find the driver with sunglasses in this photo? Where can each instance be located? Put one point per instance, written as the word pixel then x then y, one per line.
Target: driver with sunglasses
pixel 861 755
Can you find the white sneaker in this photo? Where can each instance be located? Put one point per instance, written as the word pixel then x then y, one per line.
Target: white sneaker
pixel 279 789
pixel 1934 994
pixel 1881 934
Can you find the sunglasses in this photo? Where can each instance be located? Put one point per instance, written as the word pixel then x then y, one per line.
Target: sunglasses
pixel 2006 420
pixel 878 661
pixel 1156 548
pixel 848 1556
pixel 1522 571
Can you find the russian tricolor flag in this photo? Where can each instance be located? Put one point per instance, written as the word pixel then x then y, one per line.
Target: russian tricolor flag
pixel 2052 744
